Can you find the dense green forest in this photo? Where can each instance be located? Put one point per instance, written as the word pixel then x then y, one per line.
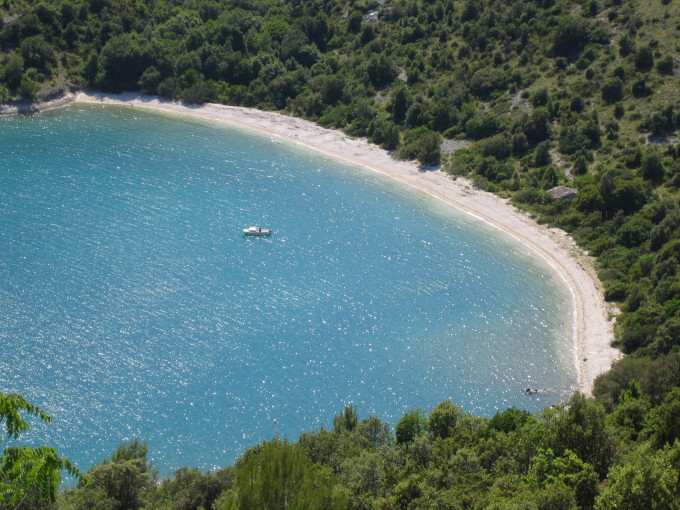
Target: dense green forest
pixel 538 93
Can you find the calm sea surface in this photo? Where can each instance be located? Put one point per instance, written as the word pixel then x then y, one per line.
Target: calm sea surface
pixel 131 304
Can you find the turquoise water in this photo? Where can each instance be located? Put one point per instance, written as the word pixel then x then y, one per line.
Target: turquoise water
pixel 133 306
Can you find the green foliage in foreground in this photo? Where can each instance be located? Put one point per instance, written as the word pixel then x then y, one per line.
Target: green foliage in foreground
pixel 279 475
pixel 570 456
pixel 28 474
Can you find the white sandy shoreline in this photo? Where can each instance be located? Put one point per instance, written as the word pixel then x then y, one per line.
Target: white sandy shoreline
pixel 592 332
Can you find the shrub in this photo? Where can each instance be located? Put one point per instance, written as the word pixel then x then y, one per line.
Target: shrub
pixel 520 144
pixel 486 80
pixel 619 111
pixel 149 81
pixel 277 471
pixel 580 165
pixel 493 170
pixel 540 97
pixel 410 426
pixel 421 144
pixel 652 167
pixel 571 140
pixel 498 146
pixel 481 127
pixel 640 88
pixel 28 89
pixel 612 90
pixel 626 45
pixel 443 419
pixel 665 65
pixel 537 126
pixel 377 70
pixel 634 232
pixel 644 58
pixel 542 155
pixel 576 105
pixel 570 36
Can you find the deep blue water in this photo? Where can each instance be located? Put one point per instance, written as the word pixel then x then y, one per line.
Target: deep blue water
pixel 131 304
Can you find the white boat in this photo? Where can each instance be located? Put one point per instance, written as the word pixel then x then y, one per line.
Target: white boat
pixel 257 231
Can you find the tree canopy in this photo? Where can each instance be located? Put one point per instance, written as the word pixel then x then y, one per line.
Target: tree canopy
pixel 24 471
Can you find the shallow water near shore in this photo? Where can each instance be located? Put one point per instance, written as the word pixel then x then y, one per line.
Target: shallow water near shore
pixel 134 306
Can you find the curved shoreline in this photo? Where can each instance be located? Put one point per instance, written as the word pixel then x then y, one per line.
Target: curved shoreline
pixel 591 329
